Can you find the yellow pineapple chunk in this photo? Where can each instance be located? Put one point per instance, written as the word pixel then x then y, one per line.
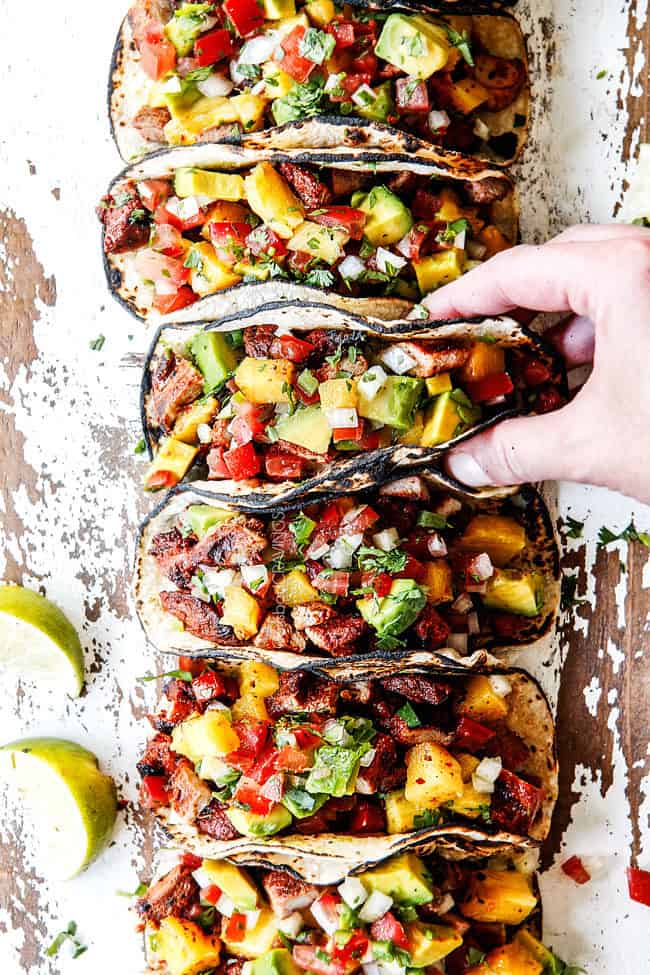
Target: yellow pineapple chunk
pixel 258 678
pixel 485 358
pixel 338 393
pixel 399 812
pixel 480 701
pixel 192 416
pixel 265 380
pixel 438 580
pixel 510 959
pixel 295 589
pixel 183 947
pixel 499 896
pixel 272 199
pixel 170 465
pixel 205 735
pixel 433 775
pixel 241 611
pixel 466 95
pixel 501 537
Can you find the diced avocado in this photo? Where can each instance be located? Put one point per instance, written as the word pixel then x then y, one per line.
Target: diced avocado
pixel 275 962
pixel 439 384
pixel 392 614
pixel 414 44
pixel 189 181
pixel 394 404
pixel 429 943
pixel 449 414
pixel 379 108
pixel 203 517
pixel 323 243
pixel 307 427
pixel 234 882
pixel 255 824
pixel 277 9
pixel 214 356
pixel 185 26
pixel 404 878
pixel 514 593
pixel 388 219
pixel 413 435
pixel 184 948
pixel 181 102
pixel 334 771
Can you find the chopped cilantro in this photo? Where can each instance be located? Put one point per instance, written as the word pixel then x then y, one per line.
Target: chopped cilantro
pixel 430 817
pixel 178 674
pixel 138 892
pixel 140 447
pixel 316 45
pixel 408 715
pixel 370 559
pixel 451 231
pixel 319 278
pixel 302 101
pixel 461 41
pixel 429 519
pixel 601 74
pixel 606 536
pixel 302 528
pixel 68 935
pixel 574 527
pixel 97 344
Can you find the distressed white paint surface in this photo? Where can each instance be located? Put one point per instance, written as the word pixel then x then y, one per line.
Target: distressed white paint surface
pixel 78 538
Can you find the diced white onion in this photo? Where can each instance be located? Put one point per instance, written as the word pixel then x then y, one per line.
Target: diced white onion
pixel 291 926
pixel 500 685
pixel 375 907
pixel 342 418
pixel 204 433
pixel 372 381
pixel 436 546
pixel 445 904
pixel 202 877
pixel 476 250
pixel 247 967
pixel 438 120
pixel 333 82
pixel 459 240
pixel 370 968
pixel 351 268
pixel 353 892
pixel 328 921
pixel 252 917
pixel 215 85
pixel 458 641
pixel 282 409
pixel 173 85
pixel 335 731
pixel 363 96
pixel 258 49
pixel 386 540
pixel 353 514
pixel 198 589
pixel 184 209
pixel 463 604
pixel 366 760
pixel 397 360
pixel 485 774
pixel 220 706
pixel 341 552
pixel 473 626
pixel 482 567
pixel 386 260
pixel 319 551
pixel 165 286
pixel 254 576
pixel 217 580
pixel 481 130
pixel 225 906
pixel 259 87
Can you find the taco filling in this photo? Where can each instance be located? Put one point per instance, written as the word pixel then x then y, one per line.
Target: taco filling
pixel 343 578
pixel 203 231
pixel 479 914
pixel 220 70
pixel 265 753
pixel 259 403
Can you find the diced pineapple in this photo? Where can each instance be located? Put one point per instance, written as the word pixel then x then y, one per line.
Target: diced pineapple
pixel 438 269
pixel 205 735
pixel 184 948
pixel 468 764
pixel 234 882
pixel 494 240
pixel 223 212
pixel 501 896
pixel 258 678
pixel 273 200
pixel 261 272
pixel 433 775
pixel 295 589
pixel 466 95
pixel 429 943
pixel 501 537
pixel 471 804
pixel 534 947
pixel 277 9
pixel 413 436
pixel 257 940
pixel 438 580
pixel 485 358
pixel 338 393
pixel 249 707
pixel 510 959
pixel 192 181
pixel 241 611
pixel 265 380
pixel 250 110
pixel 323 243
pixel 321 12
pixel 171 463
pixel 481 703
pixel 399 812
pixel 277 83
pixel 207 273
pixel 192 416
pixel 439 384
pixel 451 210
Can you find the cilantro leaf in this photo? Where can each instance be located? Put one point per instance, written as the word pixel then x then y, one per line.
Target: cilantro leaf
pixel 302 528
pixel 374 559
pixel 462 42
pixel 178 674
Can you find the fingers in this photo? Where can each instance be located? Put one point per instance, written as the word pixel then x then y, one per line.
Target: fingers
pixel 574 339
pixel 589 232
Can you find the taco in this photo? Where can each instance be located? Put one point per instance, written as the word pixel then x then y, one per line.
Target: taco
pixel 244 398
pixel 309 583
pixel 219 71
pixel 203 232
pixel 302 766
pixel 480 912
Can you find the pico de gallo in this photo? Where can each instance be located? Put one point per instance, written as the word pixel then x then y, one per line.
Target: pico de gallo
pixel 479 914
pixel 258 403
pixel 292 752
pixel 217 71
pixel 403 569
pixel 353 232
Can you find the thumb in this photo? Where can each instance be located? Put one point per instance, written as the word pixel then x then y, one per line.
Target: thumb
pixel 534 448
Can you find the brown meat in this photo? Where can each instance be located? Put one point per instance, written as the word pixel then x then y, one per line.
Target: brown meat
pixel 486 191
pixel 158 758
pixel 404 182
pixel 403 735
pixel 222 133
pixel 171 896
pixel 237 541
pixel 302 691
pixel 169 543
pixel 385 772
pixel 287 893
pixel 420 690
pixel 515 803
pixel 293 448
pixel 125 219
pixel 333 370
pixel 329 341
pixel 361 692
pixel 432 629
pixel 150 123
pixel 312 614
pixel 188 794
pixel 277 633
pixel 338 637
pixel 411 488
pixel 213 822
pixel 220 435
pixel 306 186
pixel 345 181
pixel 503 77
pixel 199 618
pixel 144 11
pixel 432 361
pixel 258 340
pixel 174 384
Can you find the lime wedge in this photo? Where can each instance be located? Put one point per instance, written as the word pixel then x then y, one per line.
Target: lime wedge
pixel 37 640
pixel 74 804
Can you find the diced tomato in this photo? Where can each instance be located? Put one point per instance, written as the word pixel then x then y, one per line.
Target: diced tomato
pixel 236 928
pixel 343 33
pixel 191 861
pixel 191 665
pixel 547 400
pixel 412 95
pixel 472 736
pixel 535 372
pixel 300 261
pixel 167 273
pixel 262 241
pixel 496 384
pixel 411 245
pixel 159 480
pixel 388 928
pixel 334 581
pixel 242 461
pixel 638 885
pixel 425 205
pixel 348 86
pixel 248 793
pixel 312 959
pixel 164 215
pixel 168 240
pixel 253 736
pixel 575 868
pixel 353 949
pixel 370 440
pixel 157 54
pixel 279 464
pixel 309 399
pixel 291 348
pixel 265 766
pixel 153 192
pixel 229 240
pixel 172 302
pixel 359 522
pixel 293 760
pixel 212 47
pixel 306 738
pixel 366 64
pixel 347 218
pixel 293 63
pixel 380 582
pixel 355 434
pixel 154 788
pixel 412 570
pixel 208 686
pixel 216 464
pixel 211 894
pixel 367 818
pixel 245 15
pixel 249 423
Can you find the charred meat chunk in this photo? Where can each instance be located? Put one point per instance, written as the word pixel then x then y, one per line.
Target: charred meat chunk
pixel 199 618
pixel 158 758
pixel 213 822
pixel 125 219
pixel 258 340
pixel 415 687
pixel 312 614
pixel 174 384
pixel 277 633
pixel 188 794
pixel 306 186
pixel 150 122
pixel 432 629
pixel 172 896
pixel 301 690
pixel 515 803
pixel 385 772
pixel 287 893
pixel 338 637
pixel 411 488
pixel 485 191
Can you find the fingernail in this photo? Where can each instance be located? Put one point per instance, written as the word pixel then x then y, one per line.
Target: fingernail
pixel 467 470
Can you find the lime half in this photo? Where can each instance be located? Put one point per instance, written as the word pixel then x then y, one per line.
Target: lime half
pixel 73 803
pixel 37 640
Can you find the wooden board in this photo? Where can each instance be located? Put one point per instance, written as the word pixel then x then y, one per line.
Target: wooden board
pixel 71 501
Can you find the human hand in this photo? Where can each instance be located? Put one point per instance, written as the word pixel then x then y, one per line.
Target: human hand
pixel 601 274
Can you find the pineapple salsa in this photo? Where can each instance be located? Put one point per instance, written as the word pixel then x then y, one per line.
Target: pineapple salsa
pixel 262 753
pixel 222 69
pixel 203 231
pixel 400 918
pixel 402 568
pixel 260 403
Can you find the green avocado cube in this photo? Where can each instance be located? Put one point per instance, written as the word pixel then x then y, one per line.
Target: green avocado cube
pixel 380 107
pixel 214 356
pixel 511 592
pixel 404 878
pixel 203 517
pixel 394 403
pixel 278 961
pixel 255 824
pixel 388 219
pixel 415 44
pixel 306 427
pixel 185 26
pixel 392 614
